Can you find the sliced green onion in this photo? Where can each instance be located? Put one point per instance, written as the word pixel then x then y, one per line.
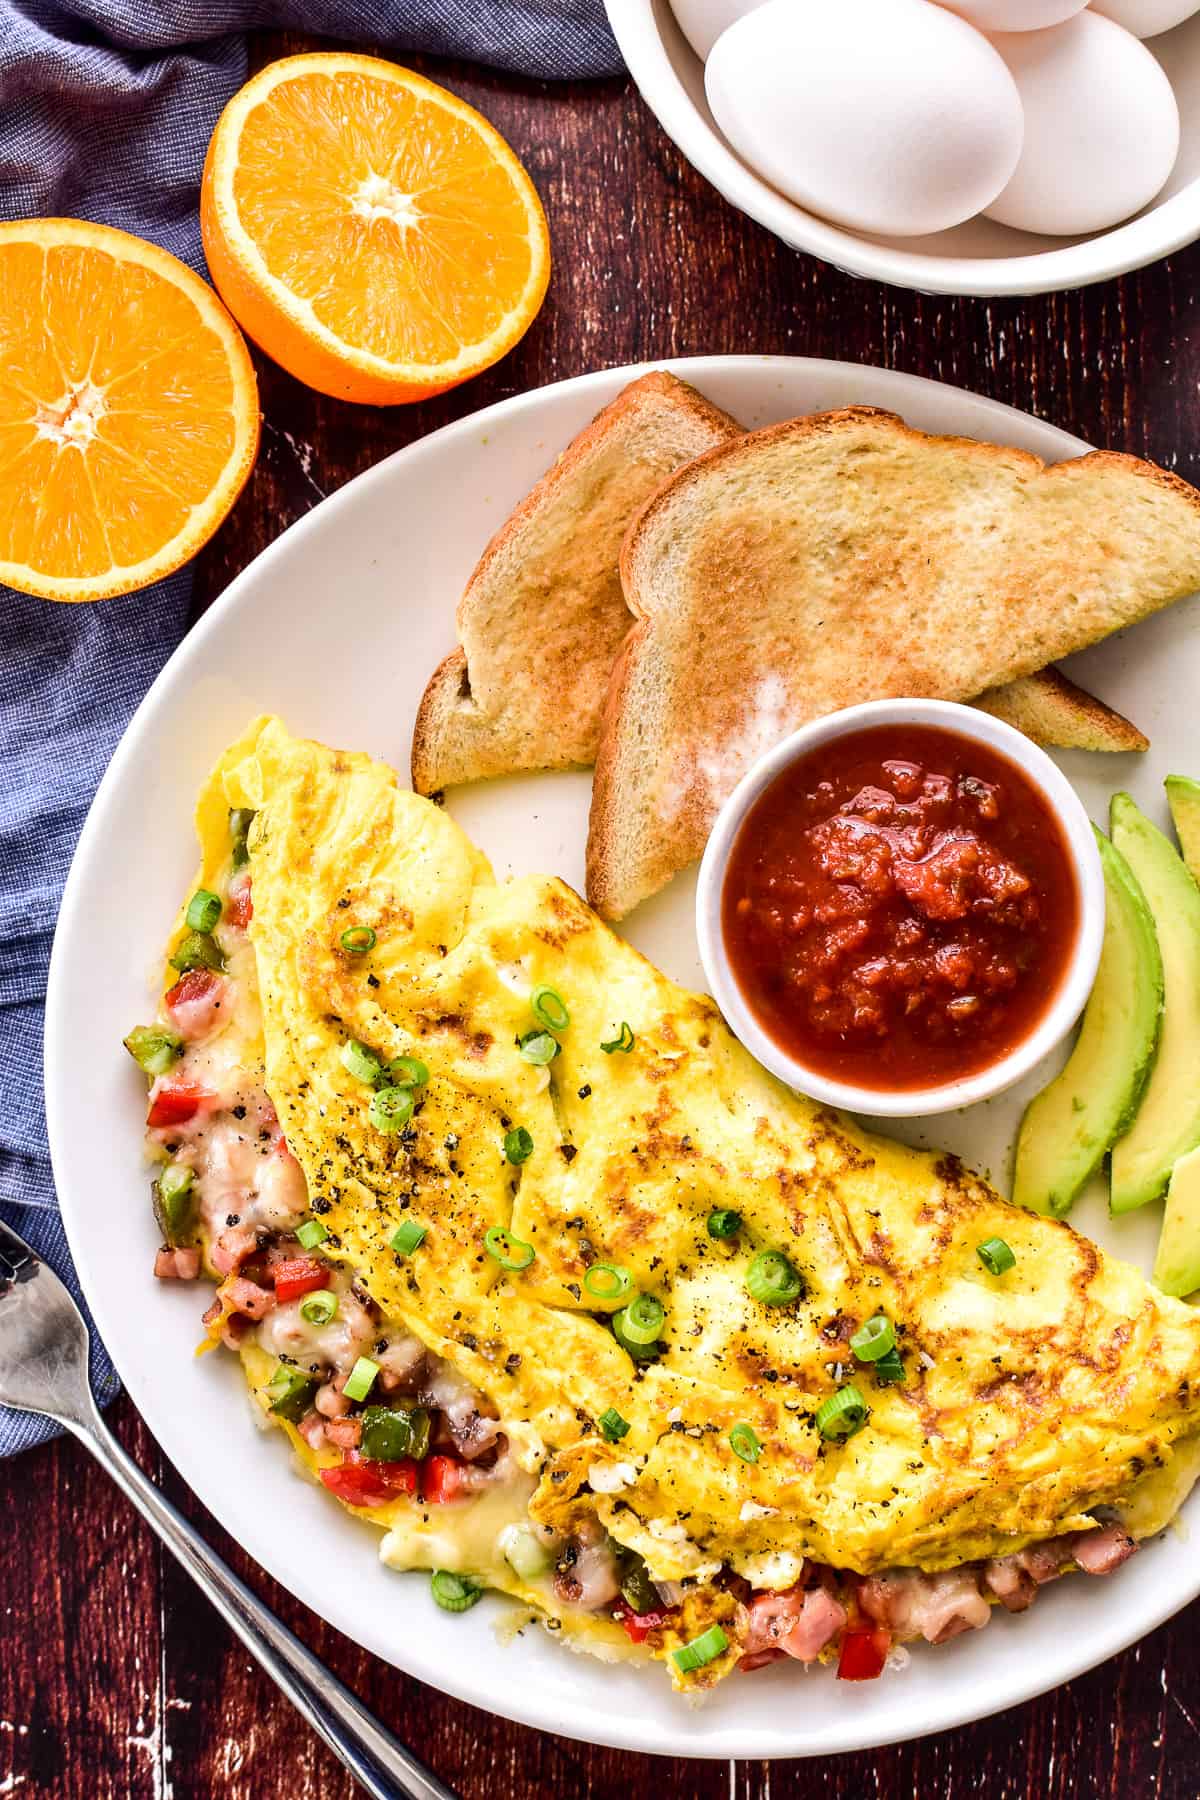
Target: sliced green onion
pixel 390 1435
pixel 639 1352
pixel 874 1339
pixel 290 1392
pixel 311 1233
pixel 360 1062
pixel 361 1379
pixel 197 950
pixel 518 1145
pixel 725 1223
pixel 996 1256
pixel 454 1593
pixel 842 1414
pixel 539 1048
pixel 509 1251
pixel 702 1650
pixel 889 1368
pixel 744 1443
pixel 408 1236
pixel 153 1048
pixel 772 1279
pixel 319 1307
pixel 637 1588
pixel 240 820
pixel 391 1108
pixel 173 1201
pixel 523 1553
pixel 609 1281
pixel 358 939
pixel 407 1072
pixel 612 1426
pixel 624 1041
pixel 204 909
pixel 549 1009
pixel 642 1320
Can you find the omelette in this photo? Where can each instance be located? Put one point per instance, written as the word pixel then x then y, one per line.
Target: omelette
pixel 545 1278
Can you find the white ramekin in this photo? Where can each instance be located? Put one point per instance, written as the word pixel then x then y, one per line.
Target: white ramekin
pixel 1077 981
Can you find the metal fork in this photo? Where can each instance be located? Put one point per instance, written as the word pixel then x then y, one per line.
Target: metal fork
pixel 44 1369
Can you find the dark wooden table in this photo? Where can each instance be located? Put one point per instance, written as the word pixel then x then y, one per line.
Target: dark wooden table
pixel 116 1681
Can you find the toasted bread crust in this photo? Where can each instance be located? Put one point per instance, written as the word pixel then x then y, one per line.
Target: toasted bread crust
pixel 1052 711
pixel 542 617
pixel 846 557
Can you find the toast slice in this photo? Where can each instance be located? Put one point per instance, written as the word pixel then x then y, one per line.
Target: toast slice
pixel 543 615
pixel 847 557
pixel 1060 716
pixel 525 687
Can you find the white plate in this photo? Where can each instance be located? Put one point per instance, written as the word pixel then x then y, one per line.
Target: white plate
pixel 336 627
pixel 979 257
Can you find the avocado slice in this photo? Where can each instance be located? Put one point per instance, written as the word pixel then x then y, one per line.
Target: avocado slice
pixel 1183 797
pixel 1177 1264
pixel 1068 1126
pixel 1167 1125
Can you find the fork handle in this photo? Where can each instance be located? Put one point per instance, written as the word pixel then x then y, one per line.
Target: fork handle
pixel 385 1769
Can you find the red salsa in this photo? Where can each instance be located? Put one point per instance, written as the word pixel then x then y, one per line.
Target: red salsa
pixel 900 908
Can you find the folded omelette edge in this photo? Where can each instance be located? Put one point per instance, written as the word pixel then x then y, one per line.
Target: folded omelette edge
pixel 1029 1400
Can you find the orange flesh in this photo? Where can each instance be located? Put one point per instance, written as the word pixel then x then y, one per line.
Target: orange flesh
pixel 119 416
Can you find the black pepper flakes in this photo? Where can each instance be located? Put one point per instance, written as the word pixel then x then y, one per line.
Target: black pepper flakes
pixel 585 1091
pixel 568 1152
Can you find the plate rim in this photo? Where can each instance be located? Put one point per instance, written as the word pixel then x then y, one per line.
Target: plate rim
pixel 641 1733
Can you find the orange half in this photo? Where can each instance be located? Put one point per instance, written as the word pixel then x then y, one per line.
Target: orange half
pixel 373 233
pixel 128 410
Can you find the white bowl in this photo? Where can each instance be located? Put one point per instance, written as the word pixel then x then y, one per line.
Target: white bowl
pixel 979 257
pixel 1077 980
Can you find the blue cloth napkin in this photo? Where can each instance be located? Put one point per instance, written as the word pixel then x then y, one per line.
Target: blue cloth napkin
pixel 106 108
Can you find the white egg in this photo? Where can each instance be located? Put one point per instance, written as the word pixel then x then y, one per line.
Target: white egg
pixel 703 21
pixel 1016 15
pixel 892 116
pixel 1146 18
pixel 1101 127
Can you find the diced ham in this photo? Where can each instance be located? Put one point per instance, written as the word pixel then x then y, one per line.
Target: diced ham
pixel 247 1298
pixel 177 1265
pixel 1100 1552
pixel 821 1618
pixel 771 1617
pixel 330 1402
pixel 935 1607
pixel 345 1433
pixel 198 1004
pixel 402 1365
pixel 1011 1583
pixel 470 1430
pixel 796 1622
pixel 232 1248
pixel 586 1573
pixel 312 1430
pixel 759 1660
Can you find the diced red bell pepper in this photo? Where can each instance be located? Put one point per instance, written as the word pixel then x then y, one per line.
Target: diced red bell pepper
pixel 863 1655
pixel 362 1483
pixel 638 1626
pixel 298 1275
pixel 442 1478
pixel 239 908
pixel 175 1102
pixel 195 984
